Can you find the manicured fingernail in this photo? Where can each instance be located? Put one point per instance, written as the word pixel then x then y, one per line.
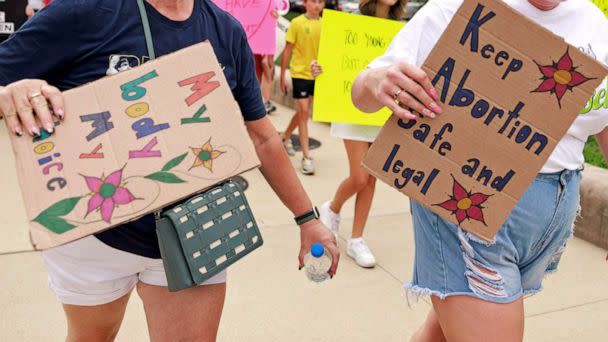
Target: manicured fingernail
pixel 35 131
pixel 435 108
pixel 428 113
pixel 18 132
pixel 59 113
pixel 331 276
pixel 434 93
pixel 300 268
pixel 49 128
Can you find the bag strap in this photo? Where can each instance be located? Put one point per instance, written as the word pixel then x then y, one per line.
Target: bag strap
pixel 147 31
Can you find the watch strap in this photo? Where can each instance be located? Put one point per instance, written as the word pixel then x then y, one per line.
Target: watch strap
pixel 310 215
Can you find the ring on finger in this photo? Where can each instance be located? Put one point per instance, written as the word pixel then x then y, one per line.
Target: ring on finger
pixel 397 93
pixel 34 95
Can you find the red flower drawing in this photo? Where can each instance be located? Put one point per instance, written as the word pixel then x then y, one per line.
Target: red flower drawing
pixel 108 193
pixel 464 204
pixel 559 77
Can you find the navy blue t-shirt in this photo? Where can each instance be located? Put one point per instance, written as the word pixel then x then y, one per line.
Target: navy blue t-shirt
pixel 73 42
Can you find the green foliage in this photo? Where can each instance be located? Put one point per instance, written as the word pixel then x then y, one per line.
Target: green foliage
pixel 593 154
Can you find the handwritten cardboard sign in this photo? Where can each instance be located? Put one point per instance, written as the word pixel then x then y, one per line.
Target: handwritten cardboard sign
pixel 602 4
pixel 130 144
pixel 257 20
pixel 510 89
pixel 348 43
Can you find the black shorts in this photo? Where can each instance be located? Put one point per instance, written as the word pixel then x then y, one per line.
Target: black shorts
pixel 302 88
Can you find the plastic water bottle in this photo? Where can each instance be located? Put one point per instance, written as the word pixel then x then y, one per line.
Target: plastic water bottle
pixel 317 263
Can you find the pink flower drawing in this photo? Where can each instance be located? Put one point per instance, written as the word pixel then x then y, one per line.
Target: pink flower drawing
pixel 108 193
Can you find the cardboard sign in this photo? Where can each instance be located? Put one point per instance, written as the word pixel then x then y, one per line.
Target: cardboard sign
pixel 348 44
pixel 130 144
pixel 257 20
pixel 602 4
pixel 510 90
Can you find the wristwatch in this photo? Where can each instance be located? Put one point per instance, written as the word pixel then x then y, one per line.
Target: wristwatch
pixel 310 215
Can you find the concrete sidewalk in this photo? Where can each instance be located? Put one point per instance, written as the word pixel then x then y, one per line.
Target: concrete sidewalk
pixel 269 300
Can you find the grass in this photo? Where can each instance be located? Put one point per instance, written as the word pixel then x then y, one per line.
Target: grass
pixel 593 154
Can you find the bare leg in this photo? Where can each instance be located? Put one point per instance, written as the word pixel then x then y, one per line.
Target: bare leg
pixel 189 315
pixel 465 319
pixel 363 204
pixel 430 331
pixel 303 106
pixel 295 119
pixel 358 178
pixel 98 323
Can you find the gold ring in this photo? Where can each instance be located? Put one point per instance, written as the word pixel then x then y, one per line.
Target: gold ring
pixel 397 93
pixel 34 95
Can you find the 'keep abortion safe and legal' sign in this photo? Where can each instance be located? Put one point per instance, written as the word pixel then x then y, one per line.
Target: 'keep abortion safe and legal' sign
pixel 510 90
pixel 130 144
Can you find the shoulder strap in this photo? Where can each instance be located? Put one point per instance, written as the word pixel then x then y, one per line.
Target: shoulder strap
pixel 147 32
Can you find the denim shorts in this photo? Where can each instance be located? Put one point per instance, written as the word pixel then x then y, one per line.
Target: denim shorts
pixel 451 262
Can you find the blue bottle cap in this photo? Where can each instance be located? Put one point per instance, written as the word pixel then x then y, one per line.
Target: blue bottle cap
pixel 317 250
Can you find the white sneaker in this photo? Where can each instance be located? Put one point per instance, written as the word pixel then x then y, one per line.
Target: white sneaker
pixel 358 250
pixel 289 147
pixel 308 168
pixel 330 219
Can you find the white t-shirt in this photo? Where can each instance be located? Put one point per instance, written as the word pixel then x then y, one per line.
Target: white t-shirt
pixel 579 22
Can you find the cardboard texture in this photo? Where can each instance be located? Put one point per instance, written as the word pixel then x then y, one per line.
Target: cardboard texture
pixel 348 44
pixel 130 144
pixel 257 20
pixel 602 4
pixel 509 89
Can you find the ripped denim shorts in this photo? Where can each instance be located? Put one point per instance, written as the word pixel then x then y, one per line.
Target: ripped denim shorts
pixel 451 262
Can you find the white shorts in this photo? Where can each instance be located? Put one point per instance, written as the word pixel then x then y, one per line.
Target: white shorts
pixel 88 272
pixel 355 132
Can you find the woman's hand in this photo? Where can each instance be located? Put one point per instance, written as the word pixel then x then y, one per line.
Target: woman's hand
pixel 401 87
pixel 19 102
pixel 315 68
pixel 312 232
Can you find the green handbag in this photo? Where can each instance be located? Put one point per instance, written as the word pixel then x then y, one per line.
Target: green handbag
pixel 207 233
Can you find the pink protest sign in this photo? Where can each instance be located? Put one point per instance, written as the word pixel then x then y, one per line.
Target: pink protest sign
pixel 257 20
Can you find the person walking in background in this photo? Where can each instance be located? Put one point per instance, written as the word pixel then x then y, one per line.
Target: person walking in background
pixel 477 289
pixel 357 140
pixel 264 70
pixel 303 37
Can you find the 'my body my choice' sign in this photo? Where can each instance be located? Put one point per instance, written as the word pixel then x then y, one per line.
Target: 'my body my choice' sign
pixel 509 89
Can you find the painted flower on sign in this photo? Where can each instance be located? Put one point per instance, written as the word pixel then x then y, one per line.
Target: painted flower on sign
pixel 205 156
pixel 465 205
pixel 107 194
pixel 560 77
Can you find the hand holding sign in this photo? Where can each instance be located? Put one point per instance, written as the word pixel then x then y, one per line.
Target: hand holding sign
pixel 399 87
pixel 20 100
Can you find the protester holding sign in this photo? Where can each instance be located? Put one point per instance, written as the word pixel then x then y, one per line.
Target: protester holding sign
pixel 94 277
pixel 302 39
pixel 477 286
pixel 357 140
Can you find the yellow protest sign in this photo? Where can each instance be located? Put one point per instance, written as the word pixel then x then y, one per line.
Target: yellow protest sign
pixel 348 44
pixel 602 4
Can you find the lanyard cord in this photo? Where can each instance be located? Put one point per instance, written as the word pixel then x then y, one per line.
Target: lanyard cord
pixel 146 25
